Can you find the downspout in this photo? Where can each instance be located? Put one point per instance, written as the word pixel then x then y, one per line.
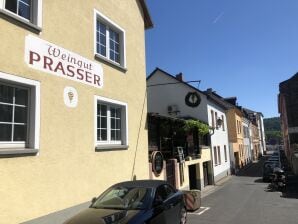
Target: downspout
pixel 212 167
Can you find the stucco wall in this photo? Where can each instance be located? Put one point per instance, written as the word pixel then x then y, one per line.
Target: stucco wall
pixel 219 138
pixel 67 171
pixel 160 97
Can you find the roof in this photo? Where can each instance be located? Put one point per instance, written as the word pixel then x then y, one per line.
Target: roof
pixel 173 77
pixel 218 100
pixel 252 112
pixel 142 183
pixel 147 18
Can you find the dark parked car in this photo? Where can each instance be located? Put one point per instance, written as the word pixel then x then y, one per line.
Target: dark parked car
pixel 135 202
pixel 268 167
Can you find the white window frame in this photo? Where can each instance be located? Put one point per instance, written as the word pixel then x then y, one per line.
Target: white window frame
pixel 98 16
pixel 33 126
pixel 35 11
pixel 124 121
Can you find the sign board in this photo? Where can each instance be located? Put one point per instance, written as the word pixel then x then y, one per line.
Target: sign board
pixel 50 58
pixel 70 96
pixel 157 162
pixel 292 130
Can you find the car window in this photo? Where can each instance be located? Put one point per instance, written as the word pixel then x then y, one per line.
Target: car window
pixel 163 192
pixel 124 198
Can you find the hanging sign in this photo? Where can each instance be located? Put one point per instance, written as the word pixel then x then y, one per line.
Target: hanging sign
pixel 50 58
pixel 157 162
pixel 192 99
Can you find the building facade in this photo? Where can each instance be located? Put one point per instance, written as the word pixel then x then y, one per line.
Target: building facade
pixel 219 137
pixel 234 117
pixel 288 109
pixel 68 109
pixel 246 141
pixel 167 96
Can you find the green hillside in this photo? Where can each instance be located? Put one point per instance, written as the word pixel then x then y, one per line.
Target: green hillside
pixel 272 130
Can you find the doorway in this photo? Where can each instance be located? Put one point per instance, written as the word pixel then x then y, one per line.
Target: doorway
pixel 206 174
pixel 192 177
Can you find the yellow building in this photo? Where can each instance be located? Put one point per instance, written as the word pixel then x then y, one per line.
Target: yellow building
pixel 234 121
pixel 72 102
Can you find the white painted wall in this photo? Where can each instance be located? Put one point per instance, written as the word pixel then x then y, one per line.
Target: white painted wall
pixel 219 138
pixel 160 97
pixel 246 140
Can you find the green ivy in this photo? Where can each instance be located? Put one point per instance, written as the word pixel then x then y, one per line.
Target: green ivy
pixel 190 125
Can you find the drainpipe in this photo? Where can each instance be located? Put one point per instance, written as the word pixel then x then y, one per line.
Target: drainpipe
pixel 212 168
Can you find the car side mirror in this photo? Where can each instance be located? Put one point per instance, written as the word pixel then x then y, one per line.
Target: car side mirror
pixel 93 200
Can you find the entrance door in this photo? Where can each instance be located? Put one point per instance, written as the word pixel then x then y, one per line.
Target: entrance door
pixel 170 169
pixel 192 177
pixel 206 173
pixel 236 155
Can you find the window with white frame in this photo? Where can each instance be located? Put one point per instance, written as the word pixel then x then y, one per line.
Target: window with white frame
pixel 13 114
pixel 215 156
pixel 110 40
pixel 219 155
pixel 225 151
pixel 19 112
pixel 23 10
pixel 111 117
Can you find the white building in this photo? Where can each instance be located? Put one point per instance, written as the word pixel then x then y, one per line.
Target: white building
pixel 246 141
pixel 166 91
pixel 219 139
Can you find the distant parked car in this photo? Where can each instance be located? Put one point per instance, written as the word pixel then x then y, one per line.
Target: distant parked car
pixel 135 202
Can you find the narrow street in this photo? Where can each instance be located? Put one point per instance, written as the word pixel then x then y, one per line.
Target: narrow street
pixel 244 199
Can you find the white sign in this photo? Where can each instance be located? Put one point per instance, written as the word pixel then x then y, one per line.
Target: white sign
pixel 50 58
pixel 70 96
pixel 292 130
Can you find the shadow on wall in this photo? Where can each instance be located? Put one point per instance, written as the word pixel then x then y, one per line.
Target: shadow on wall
pixel 60 216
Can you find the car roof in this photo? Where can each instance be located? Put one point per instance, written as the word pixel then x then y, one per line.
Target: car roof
pixel 141 183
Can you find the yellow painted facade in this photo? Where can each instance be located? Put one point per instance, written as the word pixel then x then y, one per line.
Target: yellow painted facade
pixel 234 120
pixel 67 169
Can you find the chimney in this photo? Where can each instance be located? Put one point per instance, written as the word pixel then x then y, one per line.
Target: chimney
pixel 209 90
pixel 180 77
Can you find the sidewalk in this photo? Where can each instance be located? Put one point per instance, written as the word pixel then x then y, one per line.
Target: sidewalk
pixel 212 188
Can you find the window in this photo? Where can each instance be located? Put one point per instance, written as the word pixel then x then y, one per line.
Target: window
pixel 225 151
pixel 13 114
pixel 111 118
pixel 28 11
pixel 110 40
pixel 19 114
pixel 216 120
pixel 219 156
pixel 164 192
pixel 223 122
pixel 212 117
pixel 215 155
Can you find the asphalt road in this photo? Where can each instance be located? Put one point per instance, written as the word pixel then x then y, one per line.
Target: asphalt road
pixel 244 199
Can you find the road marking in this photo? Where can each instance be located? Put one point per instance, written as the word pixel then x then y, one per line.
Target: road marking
pixel 205 209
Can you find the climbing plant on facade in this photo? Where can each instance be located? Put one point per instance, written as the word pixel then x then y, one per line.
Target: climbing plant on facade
pixel 202 128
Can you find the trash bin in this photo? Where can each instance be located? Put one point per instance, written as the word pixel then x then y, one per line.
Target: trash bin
pixel 192 199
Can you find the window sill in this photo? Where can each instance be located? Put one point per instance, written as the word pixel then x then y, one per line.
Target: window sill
pixel 18 21
pixel 101 148
pixel 16 152
pixel 109 62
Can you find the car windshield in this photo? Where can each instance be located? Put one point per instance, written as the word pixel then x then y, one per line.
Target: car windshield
pixel 132 198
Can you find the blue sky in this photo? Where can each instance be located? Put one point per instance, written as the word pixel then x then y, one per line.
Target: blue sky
pixel 242 48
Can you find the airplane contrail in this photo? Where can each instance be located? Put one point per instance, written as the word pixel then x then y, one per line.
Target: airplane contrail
pixel 218 17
